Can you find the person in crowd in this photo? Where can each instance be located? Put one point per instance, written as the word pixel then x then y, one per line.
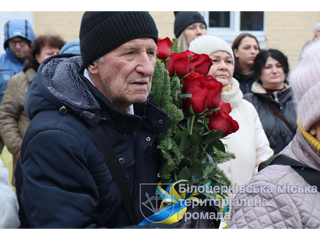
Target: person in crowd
pixel 316 36
pixel 272 97
pixel 249 144
pixel 72 47
pixel 188 26
pixel 9 217
pixel 62 180
pixel 290 208
pixel 245 48
pixel 18 35
pixel 13 119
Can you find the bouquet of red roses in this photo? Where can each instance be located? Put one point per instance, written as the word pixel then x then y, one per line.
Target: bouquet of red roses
pixel 191 148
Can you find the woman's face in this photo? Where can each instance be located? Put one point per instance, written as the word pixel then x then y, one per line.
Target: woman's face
pixel 195 30
pixel 222 68
pixel 272 75
pixel 46 51
pixel 247 51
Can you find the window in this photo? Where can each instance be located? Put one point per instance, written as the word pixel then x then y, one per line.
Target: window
pixel 219 19
pixel 251 21
pixel 228 25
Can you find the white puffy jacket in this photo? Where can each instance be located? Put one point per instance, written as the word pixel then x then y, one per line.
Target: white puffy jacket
pixel 249 144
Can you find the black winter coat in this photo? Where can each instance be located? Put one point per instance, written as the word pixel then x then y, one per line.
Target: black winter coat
pixel 62 179
pixel 279 135
pixel 245 82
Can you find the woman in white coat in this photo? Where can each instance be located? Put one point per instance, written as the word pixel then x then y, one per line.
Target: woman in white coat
pixel 8 203
pixel 249 144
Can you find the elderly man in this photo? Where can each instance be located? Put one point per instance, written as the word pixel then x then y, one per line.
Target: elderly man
pixel 62 179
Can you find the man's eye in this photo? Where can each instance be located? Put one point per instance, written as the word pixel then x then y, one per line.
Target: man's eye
pixel 214 60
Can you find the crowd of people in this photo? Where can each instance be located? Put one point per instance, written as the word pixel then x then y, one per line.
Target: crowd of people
pixel 55 97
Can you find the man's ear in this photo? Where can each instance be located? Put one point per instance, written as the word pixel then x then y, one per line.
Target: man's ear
pixel 313 130
pixel 93 68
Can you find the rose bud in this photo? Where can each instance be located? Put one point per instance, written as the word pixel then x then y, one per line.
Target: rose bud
pixel 221 120
pixel 214 93
pixel 178 64
pixel 197 101
pixel 164 48
pixel 200 63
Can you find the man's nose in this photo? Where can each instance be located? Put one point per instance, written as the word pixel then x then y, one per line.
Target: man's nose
pixel 145 65
pixel 17 45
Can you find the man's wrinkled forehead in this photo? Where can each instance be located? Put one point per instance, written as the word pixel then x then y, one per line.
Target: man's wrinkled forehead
pixel 138 43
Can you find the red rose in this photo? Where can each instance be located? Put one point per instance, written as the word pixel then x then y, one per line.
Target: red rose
pixel 210 79
pixel 179 64
pixel 214 93
pixel 189 53
pixel 200 63
pixel 197 101
pixel 164 48
pixel 193 79
pixel 224 107
pixel 221 120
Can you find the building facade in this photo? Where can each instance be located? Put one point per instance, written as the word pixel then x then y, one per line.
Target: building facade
pixel 286 31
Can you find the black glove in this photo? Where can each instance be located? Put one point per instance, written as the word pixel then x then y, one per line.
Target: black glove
pixel 192 222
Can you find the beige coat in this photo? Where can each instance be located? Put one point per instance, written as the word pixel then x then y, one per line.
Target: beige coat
pixel 13 120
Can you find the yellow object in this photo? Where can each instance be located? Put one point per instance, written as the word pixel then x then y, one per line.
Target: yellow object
pixel 173 206
pixel 312 140
pixel 227 88
pixel 6 158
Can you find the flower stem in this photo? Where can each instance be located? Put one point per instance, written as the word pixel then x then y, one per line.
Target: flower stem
pixel 193 117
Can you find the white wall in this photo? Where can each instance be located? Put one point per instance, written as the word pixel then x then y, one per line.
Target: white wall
pixel 6 16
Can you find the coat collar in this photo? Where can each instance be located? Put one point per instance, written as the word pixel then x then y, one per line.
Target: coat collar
pixel 282 95
pixel 233 96
pixel 304 151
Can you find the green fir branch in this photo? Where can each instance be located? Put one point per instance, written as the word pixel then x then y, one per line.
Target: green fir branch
pixel 185 154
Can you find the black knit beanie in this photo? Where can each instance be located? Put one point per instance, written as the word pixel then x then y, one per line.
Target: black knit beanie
pixel 185 19
pixel 101 32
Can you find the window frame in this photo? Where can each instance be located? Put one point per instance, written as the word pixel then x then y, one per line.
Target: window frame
pixel 229 34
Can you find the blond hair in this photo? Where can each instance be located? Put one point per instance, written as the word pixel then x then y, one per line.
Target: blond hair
pixel 182 42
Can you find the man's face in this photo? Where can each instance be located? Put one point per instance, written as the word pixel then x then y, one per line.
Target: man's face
pixel 19 47
pixel 126 72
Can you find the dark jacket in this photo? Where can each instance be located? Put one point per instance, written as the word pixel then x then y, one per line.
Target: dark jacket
pixel 62 180
pixel 276 130
pixel 245 81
